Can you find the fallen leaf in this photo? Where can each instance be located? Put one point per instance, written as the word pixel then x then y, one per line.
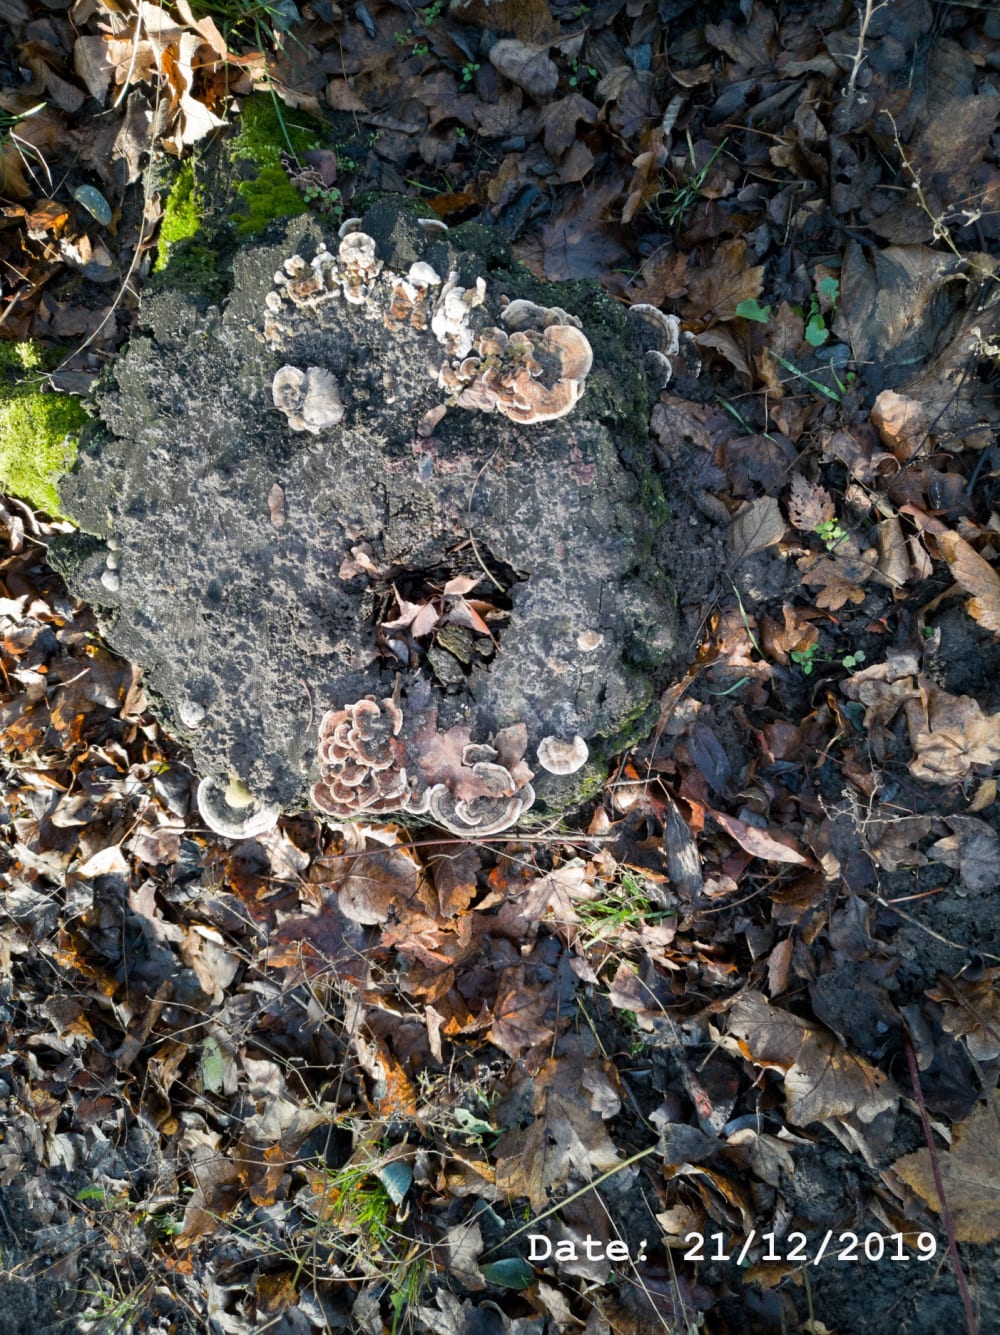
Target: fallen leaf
pixel 758 525
pixel 949 734
pixel 975 576
pixel 715 291
pixel 822 1080
pixel 809 504
pixel 758 842
pixel 970 1175
pixel 527 66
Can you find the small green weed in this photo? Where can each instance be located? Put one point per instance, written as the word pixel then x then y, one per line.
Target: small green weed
pixel 355 1208
pixel 673 204
pixel 809 658
pixel 419 29
pixel 821 303
pixel 469 72
pixel 806 658
pixel 579 73
pixel 20 148
pixel 751 309
pixel 625 903
pixel 816 333
pixel 832 532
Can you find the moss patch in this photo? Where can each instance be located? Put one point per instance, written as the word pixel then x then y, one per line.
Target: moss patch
pixel 38 429
pixel 260 142
pixel 181 214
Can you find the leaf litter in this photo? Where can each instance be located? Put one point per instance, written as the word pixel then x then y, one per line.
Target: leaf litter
pixel 332 1077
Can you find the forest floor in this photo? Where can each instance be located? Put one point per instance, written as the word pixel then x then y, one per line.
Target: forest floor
pixel 721 1053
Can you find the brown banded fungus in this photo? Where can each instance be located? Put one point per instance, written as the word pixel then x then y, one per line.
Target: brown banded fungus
pixel 369 766
pixel 526 376
pixel 362 762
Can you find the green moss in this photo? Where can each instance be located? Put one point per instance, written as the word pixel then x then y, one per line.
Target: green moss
pixel 38 430
pixel 262 138
pixel 181 214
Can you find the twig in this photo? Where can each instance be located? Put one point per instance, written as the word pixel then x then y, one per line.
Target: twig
pixel 865 16
pixel 971 1321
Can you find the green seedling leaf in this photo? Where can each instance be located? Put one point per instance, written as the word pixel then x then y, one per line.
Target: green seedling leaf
pixel 90 1194
pixel 751 309
pixel 473 1125
pixel 829 289
pixel 513 1273
pixel 817 332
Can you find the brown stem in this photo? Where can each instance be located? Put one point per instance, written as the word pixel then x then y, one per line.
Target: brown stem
pixel 971 1321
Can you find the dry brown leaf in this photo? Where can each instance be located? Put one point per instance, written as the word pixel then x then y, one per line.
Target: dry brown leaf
pixel 901 423
pixel 756 526
pixel 949 734
pixel 809 504
pixel 975 576
pixel 823 1081
pixel 570 1098
pixel 715 292
pixel 970 1175
pixel 758 842
pixel 527 66
pixel 839 577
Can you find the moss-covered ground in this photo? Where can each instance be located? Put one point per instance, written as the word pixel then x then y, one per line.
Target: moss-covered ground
pixel 38 428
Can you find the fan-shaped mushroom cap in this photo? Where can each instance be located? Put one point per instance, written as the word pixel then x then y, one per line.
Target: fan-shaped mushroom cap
pixel 654 330
pixel 421 274
pixel 309 399
pixel 232 810
pixel 576 354
pixel 522 314
pixel 658 368
pixel 559 757
pixel 482 815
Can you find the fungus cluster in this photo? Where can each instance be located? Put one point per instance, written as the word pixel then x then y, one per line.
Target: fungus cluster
pixel 370 764
pixel 309 399
pixel 362 762
pixel 532 370
pixel 528 376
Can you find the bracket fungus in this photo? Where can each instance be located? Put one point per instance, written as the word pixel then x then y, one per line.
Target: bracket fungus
pixel 231 810
pixel 561 757
pixel 526 376
pixel 362 762
pixel 309 399
pixel 370 764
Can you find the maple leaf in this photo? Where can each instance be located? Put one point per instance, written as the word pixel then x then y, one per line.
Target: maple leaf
pixel 840 576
